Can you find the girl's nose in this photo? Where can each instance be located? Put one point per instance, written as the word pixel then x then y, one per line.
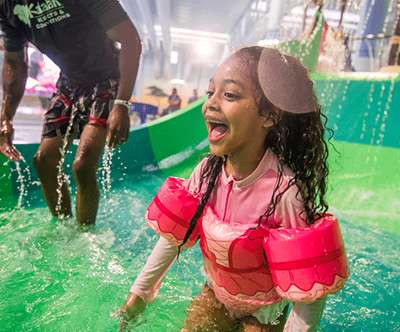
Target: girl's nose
pixel 212 104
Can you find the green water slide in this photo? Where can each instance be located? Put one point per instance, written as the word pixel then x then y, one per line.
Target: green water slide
pixel 160 145
pixel 306 50
pixel 364 112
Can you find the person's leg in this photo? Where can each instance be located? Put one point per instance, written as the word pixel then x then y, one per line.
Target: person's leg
pixel 46 163
pixel 84 168
pixel 251 324
pixel 95 106
pixel 47 158
pixel 207 314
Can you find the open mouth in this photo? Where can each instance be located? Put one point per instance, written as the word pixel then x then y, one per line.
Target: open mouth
pixel 216 130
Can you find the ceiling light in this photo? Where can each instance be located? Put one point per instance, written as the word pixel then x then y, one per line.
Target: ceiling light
pixel 178 81
pixel 174 57
pixel 204 48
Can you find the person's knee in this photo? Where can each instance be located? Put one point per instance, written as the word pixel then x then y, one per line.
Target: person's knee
pixel 45 161
pixel 84 171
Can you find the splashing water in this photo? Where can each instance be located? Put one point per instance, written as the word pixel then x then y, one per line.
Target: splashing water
pixel 23 181
pixel 386 110
pixel 329 96
pixel 62 178
pixel 367 110
pixel 378 113
pixel 340 105
pixel 21 185
pixel 106 170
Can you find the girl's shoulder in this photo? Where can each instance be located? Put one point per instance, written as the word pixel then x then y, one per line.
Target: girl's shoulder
pixel 193 184
pixel 272 163
pixel 289 212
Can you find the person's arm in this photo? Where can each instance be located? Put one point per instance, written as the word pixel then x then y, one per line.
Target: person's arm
pixel 305 317
pixel 131 47
pixel 147 284
pixel 289 213
pixel 15 72
pixel 116 23
pixel 118 123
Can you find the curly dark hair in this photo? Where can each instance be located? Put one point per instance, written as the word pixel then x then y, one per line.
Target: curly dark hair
pixel 298 142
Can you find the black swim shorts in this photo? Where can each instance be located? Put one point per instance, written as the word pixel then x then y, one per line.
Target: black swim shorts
pixel 75 106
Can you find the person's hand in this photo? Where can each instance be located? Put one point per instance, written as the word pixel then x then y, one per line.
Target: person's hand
pixel 118 124
pixel 132 308
pixel 6 138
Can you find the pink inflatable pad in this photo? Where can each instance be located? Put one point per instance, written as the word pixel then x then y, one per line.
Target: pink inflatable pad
pixel 171 210
pixel 234 258
pixel 308 263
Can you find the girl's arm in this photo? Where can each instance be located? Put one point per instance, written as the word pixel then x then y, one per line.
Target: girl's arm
pixel 305 317
pixel 160 260
pixel 146 286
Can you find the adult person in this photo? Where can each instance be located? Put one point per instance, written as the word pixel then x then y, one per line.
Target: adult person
pixel 174 102
pixel 91 100
pixel 36 65
pixel 195 96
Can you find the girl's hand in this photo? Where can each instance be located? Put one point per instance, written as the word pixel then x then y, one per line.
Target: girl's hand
pixel 132 308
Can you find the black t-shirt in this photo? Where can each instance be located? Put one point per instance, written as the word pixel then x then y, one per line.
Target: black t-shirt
pixel 70 32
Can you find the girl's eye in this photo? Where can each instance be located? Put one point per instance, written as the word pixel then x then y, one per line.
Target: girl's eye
pixel 209 93
pixel 231 96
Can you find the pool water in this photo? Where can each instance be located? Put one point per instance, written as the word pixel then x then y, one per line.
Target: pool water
pixel 56 276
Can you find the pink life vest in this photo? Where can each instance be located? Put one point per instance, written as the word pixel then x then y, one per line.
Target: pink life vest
pixel 304 264
pixel 235 264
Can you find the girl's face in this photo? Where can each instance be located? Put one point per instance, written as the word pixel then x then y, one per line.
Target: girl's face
pixel 235 126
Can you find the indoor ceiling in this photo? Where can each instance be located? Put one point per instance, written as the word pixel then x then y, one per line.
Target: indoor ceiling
pixel 185 38
pixel 207 15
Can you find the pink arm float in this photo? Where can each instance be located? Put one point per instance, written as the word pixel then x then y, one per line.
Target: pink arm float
pixel 308 263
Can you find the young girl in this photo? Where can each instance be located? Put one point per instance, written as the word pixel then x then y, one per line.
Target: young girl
pixel 257 203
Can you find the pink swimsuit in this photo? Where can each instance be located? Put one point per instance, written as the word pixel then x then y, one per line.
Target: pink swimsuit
pixel 233 247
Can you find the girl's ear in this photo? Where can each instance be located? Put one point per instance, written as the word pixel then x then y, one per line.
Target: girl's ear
pixel 268 123
pixel 271 117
